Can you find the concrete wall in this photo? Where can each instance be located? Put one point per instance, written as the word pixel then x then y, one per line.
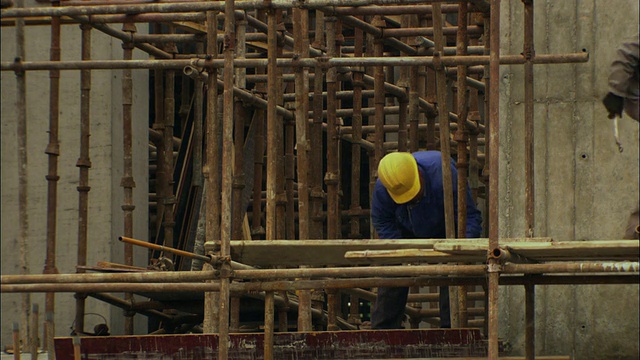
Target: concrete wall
pixel 585 188
pixel 105 197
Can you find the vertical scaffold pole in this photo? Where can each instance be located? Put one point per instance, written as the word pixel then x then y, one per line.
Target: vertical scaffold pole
pixel 53 151
pixel 494 171
pixel 23 173
pixel 84 163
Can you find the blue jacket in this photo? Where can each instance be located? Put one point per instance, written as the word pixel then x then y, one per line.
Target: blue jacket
pixel 424 220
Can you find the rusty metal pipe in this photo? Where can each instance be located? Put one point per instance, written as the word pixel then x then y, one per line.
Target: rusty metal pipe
pixel 301 48
pixel 84 163
pixel 356 126
pixel 461 136
pixel 227 179
pixel 53 151
pixel 380 60
pixel 494 173
pixel 190 7
pixel 272 129
pixel 269 325
pixel 379 103
pixel 425 31
pixel 529 174
pixel 127 182
pixel 169 199
pixel 374 281
pixel 239 119
pixel 444 127
pixel 197 179
pixel 332 176
pixel 163 248
pixel 118 18
pixel 394 9
pixel 315 138
pixel 211 170
pixel 125 37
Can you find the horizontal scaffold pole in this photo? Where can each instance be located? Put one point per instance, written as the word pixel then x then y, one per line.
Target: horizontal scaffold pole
pixel 196 6
pixel 310 63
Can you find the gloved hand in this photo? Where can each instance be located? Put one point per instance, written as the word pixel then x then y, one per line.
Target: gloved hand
pixel 614 105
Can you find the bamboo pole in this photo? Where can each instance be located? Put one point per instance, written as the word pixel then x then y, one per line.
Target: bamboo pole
pixel 23 174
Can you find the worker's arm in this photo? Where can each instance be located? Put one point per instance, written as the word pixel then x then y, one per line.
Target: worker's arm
pixel 383 214
pixel 623 69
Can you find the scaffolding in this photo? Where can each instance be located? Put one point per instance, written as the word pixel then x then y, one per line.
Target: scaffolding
pixel 285 110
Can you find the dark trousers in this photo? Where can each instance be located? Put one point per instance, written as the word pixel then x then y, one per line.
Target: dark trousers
pixel 388 311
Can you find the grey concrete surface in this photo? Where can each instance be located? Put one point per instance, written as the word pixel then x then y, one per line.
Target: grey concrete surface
pixel 105 196
pixel 585 189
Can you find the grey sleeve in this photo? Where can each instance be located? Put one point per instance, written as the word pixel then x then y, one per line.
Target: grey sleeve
pixel 623 78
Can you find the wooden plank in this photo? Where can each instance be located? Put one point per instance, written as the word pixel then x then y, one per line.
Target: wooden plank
pixel 330 252
pixel 191 27
pixel 312 252
pixel 349 252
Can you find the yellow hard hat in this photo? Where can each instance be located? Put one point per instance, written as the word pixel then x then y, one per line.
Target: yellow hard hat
pixel 398 172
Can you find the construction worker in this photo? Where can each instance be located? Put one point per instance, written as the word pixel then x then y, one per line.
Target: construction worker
pixel 624 94
pixel 408 202
pixel 624 89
